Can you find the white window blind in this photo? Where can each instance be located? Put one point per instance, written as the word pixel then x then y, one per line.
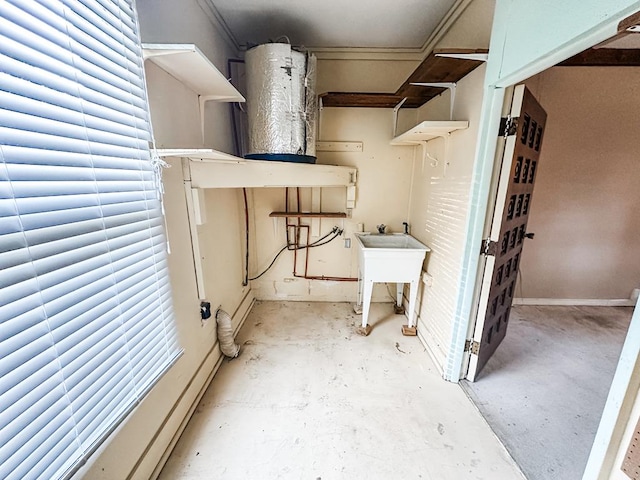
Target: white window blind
pixel 86 321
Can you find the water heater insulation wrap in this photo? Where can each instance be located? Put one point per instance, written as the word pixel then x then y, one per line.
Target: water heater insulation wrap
pixel 281 100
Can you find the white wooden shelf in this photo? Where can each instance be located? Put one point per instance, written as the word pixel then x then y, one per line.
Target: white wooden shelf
pixel 308 215
pixel 207 168
pixel 189 65
pixel 214 169
pixel 428 130
pixel 199 154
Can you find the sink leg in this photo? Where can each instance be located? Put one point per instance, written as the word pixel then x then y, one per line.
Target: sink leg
pixel 398 307
pixel 357 308
pixel 410 329
pixel 366 305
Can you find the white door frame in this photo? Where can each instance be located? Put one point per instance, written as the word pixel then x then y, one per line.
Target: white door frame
pixel 470 278
pixel 619 404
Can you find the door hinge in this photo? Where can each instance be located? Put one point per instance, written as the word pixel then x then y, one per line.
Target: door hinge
pixel 508 126
pixel 489 247
pixel 472 346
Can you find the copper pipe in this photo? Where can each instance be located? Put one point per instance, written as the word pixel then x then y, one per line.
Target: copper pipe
pixel 322 277
pixel 306 258
pixel 297 226
pixel 286 209
pixel 298 218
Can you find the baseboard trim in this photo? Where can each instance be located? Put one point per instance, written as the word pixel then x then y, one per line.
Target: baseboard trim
pixel 240 315
pixel 576 302
pixel 425 340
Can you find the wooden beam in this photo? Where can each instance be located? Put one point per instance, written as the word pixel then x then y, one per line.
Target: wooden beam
pixel 362 99
pixel 604 57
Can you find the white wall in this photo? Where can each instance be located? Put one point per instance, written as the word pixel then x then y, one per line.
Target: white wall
pixel 440 188
pixel 170 21
pixel 439 207
pixel 138 446
pixel 586 197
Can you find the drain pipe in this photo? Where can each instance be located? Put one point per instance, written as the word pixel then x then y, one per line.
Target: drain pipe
pixel 225 334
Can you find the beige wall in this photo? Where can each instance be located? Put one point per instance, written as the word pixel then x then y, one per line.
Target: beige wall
pixel 384 174
pixel 371 76
pixel 586 198
pixel 472 29
pixel 139 445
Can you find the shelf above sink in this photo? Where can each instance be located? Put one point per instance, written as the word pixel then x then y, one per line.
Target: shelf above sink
pixel 190 66
pixel 428 130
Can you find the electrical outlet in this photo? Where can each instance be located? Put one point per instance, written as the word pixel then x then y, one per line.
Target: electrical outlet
pixel 205 312
pixel 347 243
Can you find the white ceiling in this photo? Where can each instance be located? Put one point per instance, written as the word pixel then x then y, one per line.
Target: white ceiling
pixel 395 24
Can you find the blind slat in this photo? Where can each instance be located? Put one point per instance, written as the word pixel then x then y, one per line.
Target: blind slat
pixel 86 320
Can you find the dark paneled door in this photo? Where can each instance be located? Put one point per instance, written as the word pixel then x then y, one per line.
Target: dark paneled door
pixel 509 229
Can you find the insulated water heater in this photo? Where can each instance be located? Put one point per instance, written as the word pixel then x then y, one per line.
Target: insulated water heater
pixel 281 103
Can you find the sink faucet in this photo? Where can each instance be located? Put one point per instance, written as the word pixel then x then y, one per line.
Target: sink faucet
pixel 406 227
pixel 381 228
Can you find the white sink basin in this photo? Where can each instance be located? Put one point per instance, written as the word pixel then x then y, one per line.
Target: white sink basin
pixel 389 258
pixel 393 241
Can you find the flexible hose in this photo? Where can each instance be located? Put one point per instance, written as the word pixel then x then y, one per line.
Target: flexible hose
pixel 336 232
pixel 228 346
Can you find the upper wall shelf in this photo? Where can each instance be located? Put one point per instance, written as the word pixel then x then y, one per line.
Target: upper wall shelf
pixel 214 169
pixel 199 154
pixel 426 131
pixel 444 65
pixel 190 66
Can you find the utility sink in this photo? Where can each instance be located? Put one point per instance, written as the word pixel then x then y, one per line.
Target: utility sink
pixel 391 241
pixel 395 258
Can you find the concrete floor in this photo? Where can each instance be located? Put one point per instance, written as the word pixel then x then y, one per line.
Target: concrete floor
pixel 544 390
pixel 309 399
